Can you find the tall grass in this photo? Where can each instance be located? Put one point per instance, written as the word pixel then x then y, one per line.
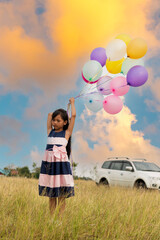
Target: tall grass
pixel 93 213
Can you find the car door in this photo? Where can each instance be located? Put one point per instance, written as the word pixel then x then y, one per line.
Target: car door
pixel 128 177
pixel 115 173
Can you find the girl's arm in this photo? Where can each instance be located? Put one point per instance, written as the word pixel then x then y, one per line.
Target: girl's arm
pixel 49 123
pixel 73 116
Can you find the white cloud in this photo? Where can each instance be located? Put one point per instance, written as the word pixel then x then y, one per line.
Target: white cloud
pixel 153 105
pixel 36 156
pixel 110 136
pixel 153 84
pixel 11 134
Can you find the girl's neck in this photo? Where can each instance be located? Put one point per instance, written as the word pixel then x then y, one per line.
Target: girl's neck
pixel 58 130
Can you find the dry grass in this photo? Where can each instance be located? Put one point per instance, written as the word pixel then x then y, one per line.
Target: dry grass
pixel 93 213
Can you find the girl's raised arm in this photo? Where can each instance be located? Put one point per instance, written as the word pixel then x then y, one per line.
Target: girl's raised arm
pixel 73 116
pixel 49 123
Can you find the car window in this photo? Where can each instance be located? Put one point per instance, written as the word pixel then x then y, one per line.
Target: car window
pixel 116 165
pixel 106 164
pixel 146 166
pixel 126 164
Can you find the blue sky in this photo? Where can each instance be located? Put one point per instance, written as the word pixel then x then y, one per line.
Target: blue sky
pixel 43 47
pixel 14 104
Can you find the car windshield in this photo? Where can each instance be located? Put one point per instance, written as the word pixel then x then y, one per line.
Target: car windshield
pixel 146 166
pixel 106 164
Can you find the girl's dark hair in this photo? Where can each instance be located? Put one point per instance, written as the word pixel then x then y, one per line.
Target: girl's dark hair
pixel 64 115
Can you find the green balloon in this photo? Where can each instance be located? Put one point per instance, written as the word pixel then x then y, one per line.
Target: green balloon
pixel 129 63
pixel 92 70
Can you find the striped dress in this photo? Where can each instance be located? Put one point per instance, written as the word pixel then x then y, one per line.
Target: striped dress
pixel 56 178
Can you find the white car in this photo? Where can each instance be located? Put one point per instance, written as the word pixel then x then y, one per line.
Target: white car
pixel 128 172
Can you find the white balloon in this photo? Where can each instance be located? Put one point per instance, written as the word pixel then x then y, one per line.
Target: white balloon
pixel 116 50
pixel 92 70
pixel 94 102
pixel 129 63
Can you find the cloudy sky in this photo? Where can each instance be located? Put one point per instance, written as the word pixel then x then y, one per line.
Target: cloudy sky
pixel 43 47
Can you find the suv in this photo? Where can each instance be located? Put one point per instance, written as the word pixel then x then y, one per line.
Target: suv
pixel 128 172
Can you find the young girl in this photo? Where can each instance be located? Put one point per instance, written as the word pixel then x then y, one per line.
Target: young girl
pixel 56 180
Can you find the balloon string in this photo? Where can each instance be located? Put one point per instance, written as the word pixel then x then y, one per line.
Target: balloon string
pixel 106 80
pixel 83 95
pixel 68 110
pixel 90 81
pixel 97 81
pixel 93 87
pixel 101 83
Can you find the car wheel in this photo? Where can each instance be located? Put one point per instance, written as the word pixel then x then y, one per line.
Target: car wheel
pixel 104 182
pixel 140 185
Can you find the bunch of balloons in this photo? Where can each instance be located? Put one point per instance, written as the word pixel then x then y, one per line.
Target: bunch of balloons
pixel 124 67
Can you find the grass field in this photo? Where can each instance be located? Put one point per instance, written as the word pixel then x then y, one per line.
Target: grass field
pixel 93 213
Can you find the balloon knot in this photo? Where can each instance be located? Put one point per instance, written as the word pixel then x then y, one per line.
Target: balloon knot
pixel 113 90
pixel 90 101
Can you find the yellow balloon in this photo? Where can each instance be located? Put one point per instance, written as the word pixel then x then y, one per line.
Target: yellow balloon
pixel 114 66
pixel 136 48
pixel 126 38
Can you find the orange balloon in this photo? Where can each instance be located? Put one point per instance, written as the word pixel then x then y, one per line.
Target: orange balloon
pixel 136 48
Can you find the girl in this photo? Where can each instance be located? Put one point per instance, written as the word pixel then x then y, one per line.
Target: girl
pixel 56 180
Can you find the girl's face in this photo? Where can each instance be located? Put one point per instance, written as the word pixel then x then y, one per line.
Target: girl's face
pixel 58 123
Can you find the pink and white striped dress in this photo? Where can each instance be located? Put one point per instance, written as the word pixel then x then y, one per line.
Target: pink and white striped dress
pixel 56 179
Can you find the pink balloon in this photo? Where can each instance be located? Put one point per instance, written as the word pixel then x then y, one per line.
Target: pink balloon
pixel 87 80
pixel 112 104
pixel 119 86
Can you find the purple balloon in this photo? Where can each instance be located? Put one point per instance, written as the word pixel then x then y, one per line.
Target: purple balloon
pixel 99 54
pixel 103 85
pixel 137 76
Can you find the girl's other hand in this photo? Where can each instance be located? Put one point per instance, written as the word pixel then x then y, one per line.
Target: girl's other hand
pixel 71 100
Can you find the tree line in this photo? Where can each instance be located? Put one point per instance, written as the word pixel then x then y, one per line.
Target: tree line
pixel 25 172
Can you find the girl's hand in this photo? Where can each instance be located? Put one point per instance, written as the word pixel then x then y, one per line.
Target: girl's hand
pixel 71 100
pixel 72 118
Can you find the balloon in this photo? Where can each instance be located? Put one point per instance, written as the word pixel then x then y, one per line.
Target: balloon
pixel 119 86
pixel 129 63
pixel 136 48
pixel 87 80
pixel 124 37
pixel 112 104
pixel 103 85
pixel 137 76
pixel 116 50
pixel 114 66
pixel 92 70
pixel 94 102
pixel 99 54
